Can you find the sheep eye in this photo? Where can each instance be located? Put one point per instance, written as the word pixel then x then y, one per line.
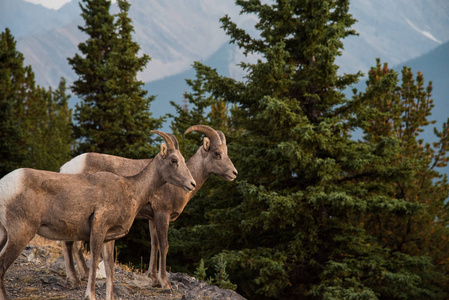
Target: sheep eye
pixel 174 161
pixel 217 154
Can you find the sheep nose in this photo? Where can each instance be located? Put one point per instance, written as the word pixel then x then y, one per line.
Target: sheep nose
pixel 193 184
pixel 235 172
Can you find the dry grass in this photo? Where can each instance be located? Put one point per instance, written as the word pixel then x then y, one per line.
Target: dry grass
pixel 54 248
pixel 43 242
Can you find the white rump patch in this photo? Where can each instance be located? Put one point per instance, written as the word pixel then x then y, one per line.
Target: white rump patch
pixel 75 165
pixel 10 186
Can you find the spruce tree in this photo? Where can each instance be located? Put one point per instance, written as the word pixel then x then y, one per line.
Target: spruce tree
pixel 199 108
pixel 11 72
pixel 130 100
pixel 403 109
pixel 61 126
pixel 45 123
pixel 90 87
pixel 49 129
pixel 36 123
pixel 193 111
pixel 294 226
pixel 113 115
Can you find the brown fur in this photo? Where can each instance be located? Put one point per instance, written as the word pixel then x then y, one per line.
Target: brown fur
pixel 99 207
pixel 167 203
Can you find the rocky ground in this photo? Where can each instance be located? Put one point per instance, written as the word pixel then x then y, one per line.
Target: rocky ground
pixel 39 274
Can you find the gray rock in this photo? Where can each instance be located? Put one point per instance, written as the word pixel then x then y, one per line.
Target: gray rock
pixel 42 268
pixel 196 289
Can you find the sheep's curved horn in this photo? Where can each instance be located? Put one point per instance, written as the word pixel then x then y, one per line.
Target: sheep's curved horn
pixel 222 136
pixel 175 141
pixel 208 131
pixel 168 140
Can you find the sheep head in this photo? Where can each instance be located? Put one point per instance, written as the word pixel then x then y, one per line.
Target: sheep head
pixel 215 152
pixel 173 167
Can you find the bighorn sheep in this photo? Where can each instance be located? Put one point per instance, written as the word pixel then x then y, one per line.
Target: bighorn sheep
pixel 166 204
pixel 99 207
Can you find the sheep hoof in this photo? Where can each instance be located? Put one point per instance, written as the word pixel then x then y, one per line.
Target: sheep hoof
pixel 167 291
pixel 73 283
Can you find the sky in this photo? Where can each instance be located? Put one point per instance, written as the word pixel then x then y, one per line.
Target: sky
pixel 53 4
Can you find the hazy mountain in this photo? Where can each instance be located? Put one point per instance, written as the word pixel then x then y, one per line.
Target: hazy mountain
pixel 27 19
pixel 395 31
pixel 172 88
pixel 175 33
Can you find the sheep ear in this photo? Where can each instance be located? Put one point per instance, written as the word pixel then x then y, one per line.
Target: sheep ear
pixel 163 150
pixel 206 144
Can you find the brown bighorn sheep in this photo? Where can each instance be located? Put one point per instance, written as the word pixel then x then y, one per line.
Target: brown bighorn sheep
pixel 166 204
pixel 99 207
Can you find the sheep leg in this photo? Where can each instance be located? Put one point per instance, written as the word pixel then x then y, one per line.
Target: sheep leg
pixel 16 240
pixel 162 222
pixel 108 257
pixel 97 236
pixel 152 270
pixel 67 248
pixel 80 261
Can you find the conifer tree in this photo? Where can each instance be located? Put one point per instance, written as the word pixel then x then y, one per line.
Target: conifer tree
pixel 194 111
pixel 49 129
pixel 37 124
pixel 403 111
pixel 45 123
pixel 90 87
pixel 199 108
pixel 113 116
pixel 11 71
pixel 61 122
pixel 293 225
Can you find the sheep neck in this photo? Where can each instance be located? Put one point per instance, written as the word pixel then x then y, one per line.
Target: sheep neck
pixel 145 183
pixel 199 173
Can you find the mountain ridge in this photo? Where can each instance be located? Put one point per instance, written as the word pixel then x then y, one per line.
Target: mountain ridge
pixel 177 33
